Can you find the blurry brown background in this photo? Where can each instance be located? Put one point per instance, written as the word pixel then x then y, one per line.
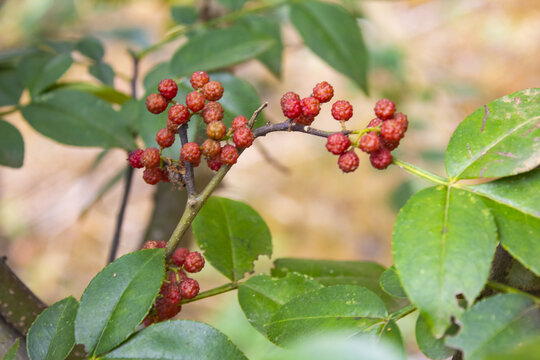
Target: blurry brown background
pixel 438 60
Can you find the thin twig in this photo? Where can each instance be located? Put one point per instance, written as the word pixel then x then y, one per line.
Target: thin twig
pixel 271 159
pixel 129 175
pixel 189 178
pixel 287 126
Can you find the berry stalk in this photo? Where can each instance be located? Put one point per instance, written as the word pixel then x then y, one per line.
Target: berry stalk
pixel 410 168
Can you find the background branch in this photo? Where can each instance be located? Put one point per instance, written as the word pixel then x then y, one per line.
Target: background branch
pixel 129 176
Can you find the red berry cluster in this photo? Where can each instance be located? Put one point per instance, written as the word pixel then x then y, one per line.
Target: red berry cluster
pixel 177 285
pixel 381 136
pixel 389 128
pixel 203 100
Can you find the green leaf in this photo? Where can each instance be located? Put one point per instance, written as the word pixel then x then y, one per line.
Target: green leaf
pixel 11 145
pixel 103 72
pixel 262 296
pixel 336 346
pixel 496 324
pixel 232 4
pixel 40 70
pixel 104 92
pixel 271 58
pixel 515 203
pixel 51 336
pixel 348 309
pixel 11 87
pixel 177 340
pixel 333 34
pixel 12 351
pixel 390 334
pixel 91 47
pixel 186 15
pixel 443 243
pixel 498 139
pixel 77 118
pixel 433 348
pixel 391 283
pixel 528 350
pixel 216 49
pixel 232 235
pixel 117 300
pixel 330 272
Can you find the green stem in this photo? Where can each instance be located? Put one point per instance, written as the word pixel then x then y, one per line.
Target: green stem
pixel 195 204
pixel 412 169
pixel 401 313
pixel 213 292
pixel 511 290
pixel 10 111
pixel 180 30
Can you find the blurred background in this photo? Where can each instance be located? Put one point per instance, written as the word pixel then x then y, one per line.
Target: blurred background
pixel 438 60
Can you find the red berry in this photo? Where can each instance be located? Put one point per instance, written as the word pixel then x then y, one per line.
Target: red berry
pixel 370 142
pixel 179 114
pixel 381 158
pixel 191 152
pixel 168 88
pixel 304 120
pixel 165 175
pixel 195 101
pixel 239 121
pixel 210 148
pixel 156 103
pixel 165 138
pixel 310 106
pixel 150 158
pixel 162 244
pixel 166 310
pixel 402 120
pixel 150 244
pixel 216 130
pixel 134 158
pixel 194 262
pixel 291 105
pixel 198 79
pixel 212 111
pixel 172 127
pixel 213 90
pixel 392 131
pixel 171 293
pixel 338 143
pixel 323 92
pixel 228 155
pixel 152 175
pixel 171 278
pixel 179 256
pixel 348 161
pixel 342 110
pixel 214 163
pixel 389 145
pixel 374 123
pixel 189 288
pixel 243 137
pixel 384 109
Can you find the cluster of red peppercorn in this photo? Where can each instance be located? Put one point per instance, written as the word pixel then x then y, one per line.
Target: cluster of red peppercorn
pixel 177 285
pixel 381 136
pixel 203 101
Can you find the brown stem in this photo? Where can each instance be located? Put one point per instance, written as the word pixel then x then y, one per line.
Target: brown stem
pixel 18 305
pixel 189 178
